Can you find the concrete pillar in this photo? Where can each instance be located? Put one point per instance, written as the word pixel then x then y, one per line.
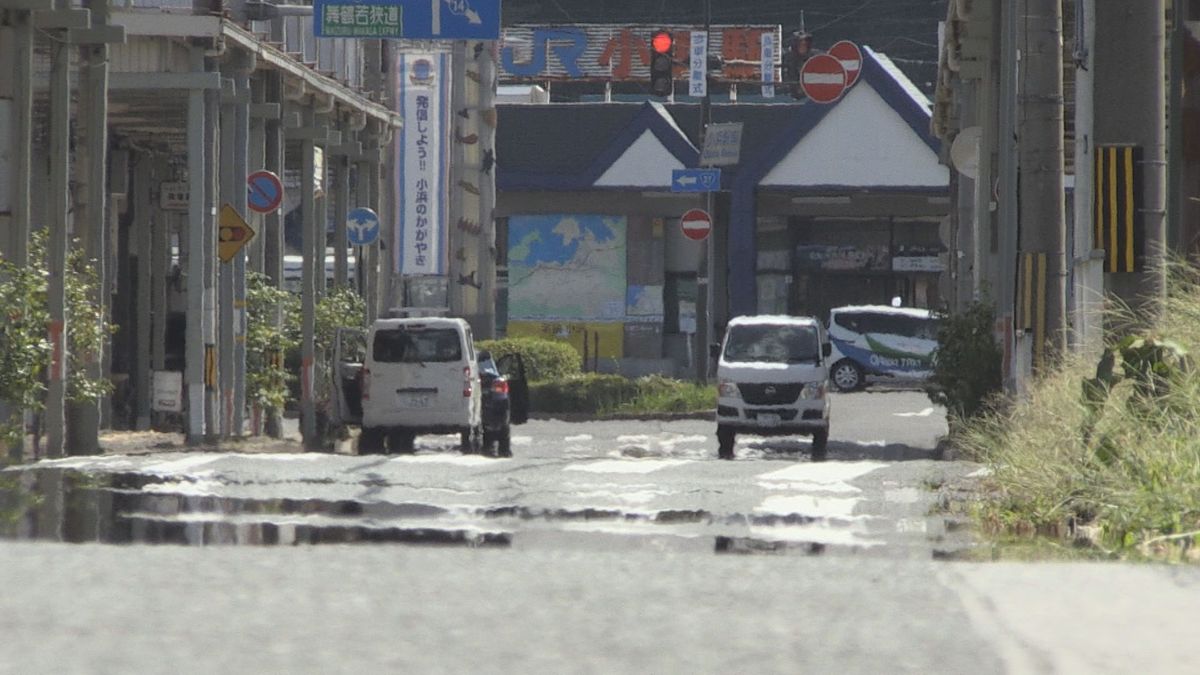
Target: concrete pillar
pixel 16 48
pixel 54 418
pixel 308 203
pixel 228 186
pixel 143 224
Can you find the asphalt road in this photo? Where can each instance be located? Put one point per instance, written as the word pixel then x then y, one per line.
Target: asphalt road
pixel 599 548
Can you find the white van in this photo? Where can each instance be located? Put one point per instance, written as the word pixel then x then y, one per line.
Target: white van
pixel 877 341
pixel 420 376
pixel 772 380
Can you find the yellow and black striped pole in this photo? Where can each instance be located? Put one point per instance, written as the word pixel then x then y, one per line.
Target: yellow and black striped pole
pixel 1032 293
pixel 1118 227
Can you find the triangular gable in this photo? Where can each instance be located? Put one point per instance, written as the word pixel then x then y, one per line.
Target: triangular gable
pixel 862 143
pixel 640 156
pixel 646 163
pixel 825 147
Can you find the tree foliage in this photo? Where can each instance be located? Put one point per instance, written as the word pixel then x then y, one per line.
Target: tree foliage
pixel 25 349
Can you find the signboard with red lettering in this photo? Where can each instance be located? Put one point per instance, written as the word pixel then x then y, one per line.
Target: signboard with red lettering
pixel 823 78
pixel 621 52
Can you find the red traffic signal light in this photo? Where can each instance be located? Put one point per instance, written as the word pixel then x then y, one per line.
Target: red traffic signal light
pixel 662 42
pixel 661 63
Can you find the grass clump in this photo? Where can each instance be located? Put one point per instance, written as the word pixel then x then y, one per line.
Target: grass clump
pixel 1105 455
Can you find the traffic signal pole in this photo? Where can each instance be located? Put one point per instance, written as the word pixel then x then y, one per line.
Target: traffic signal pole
pixel 704 284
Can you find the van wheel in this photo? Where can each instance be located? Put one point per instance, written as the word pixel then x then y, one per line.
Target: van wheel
pixel 472 441
pixel 370 441
pixel 401 442
pixel 725 440
pixel 847 375
pixel 820 440
pixel 504 443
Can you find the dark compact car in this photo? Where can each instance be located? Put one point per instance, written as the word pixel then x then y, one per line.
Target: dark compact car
pixel 505 400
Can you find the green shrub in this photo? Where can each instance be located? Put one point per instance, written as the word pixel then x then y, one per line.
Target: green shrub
pixel 968 363
pixel 544 359
pixel 598 394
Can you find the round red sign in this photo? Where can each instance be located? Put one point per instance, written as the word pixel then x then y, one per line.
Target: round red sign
pixel 823 78
pixel 851 57
pixel 696 224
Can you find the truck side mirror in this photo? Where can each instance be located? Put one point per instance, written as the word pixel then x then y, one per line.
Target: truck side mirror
pixel 714 350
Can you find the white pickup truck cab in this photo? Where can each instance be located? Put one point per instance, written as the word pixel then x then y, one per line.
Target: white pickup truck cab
pixel 772 380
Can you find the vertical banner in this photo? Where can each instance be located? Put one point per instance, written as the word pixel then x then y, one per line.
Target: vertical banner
pixel 698 64
pixel 423 162
pixel 768 65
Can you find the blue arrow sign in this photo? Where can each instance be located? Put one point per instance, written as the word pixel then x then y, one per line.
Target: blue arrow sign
pixel 408 19
pixel 695 180
pixel 362 227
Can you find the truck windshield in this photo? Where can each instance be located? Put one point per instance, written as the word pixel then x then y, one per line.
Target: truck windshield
pixel 772 343
pixel 401 345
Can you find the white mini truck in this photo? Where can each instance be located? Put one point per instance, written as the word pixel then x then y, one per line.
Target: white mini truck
pixel 772 380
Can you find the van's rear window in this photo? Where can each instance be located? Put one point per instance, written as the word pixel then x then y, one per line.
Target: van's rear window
pixel 403 345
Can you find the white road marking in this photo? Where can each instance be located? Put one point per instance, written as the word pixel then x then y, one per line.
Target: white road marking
pixel 627 465
pixel 578 439
pixel 924 413
pixel 182 465
pixel 460 460
pixel 823 477
pixel 809 505
pixel 808 534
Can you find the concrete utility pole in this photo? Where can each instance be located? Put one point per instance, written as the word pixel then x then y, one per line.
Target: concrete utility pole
pixel 1043 225
pixel 241 150
pixel 228 185
pixel 1087 292
pixel 705 276
pixel 1007 162
pixel 198 300
pixel 488 246
pixel 1130 91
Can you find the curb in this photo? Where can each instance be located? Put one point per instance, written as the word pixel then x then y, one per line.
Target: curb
pixel 617 417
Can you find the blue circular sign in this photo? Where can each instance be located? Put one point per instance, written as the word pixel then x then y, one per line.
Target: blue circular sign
pixel 264 191
pixel 362 227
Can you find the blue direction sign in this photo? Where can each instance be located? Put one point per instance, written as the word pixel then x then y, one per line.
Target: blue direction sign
pixel 264 191
pixel 408 19
pixel 695 180
pixel 362 227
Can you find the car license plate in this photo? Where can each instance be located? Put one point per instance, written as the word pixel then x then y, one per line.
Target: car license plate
pixel 415 400
pixel 768 419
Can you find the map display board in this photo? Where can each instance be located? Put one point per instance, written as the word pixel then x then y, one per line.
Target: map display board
pixel 566 267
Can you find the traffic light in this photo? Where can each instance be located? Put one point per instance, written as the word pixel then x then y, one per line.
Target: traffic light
pixel 662 63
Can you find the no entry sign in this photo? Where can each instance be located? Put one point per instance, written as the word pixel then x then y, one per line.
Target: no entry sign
pixel 851 58
pixel 696 224
pixel 823 78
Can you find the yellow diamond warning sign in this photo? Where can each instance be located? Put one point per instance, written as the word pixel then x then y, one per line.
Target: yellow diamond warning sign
pixel 233 232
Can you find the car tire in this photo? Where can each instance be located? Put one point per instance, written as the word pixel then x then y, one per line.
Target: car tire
pixel 370 441
pixel 504 443
pixel 847 376
pixel 401 442
pixel 820 441
pixel 472 441
pixel 726 438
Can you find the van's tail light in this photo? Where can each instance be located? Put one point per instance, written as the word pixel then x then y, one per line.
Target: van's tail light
pixel 364 379
pixel 468 385
pixel 500 387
